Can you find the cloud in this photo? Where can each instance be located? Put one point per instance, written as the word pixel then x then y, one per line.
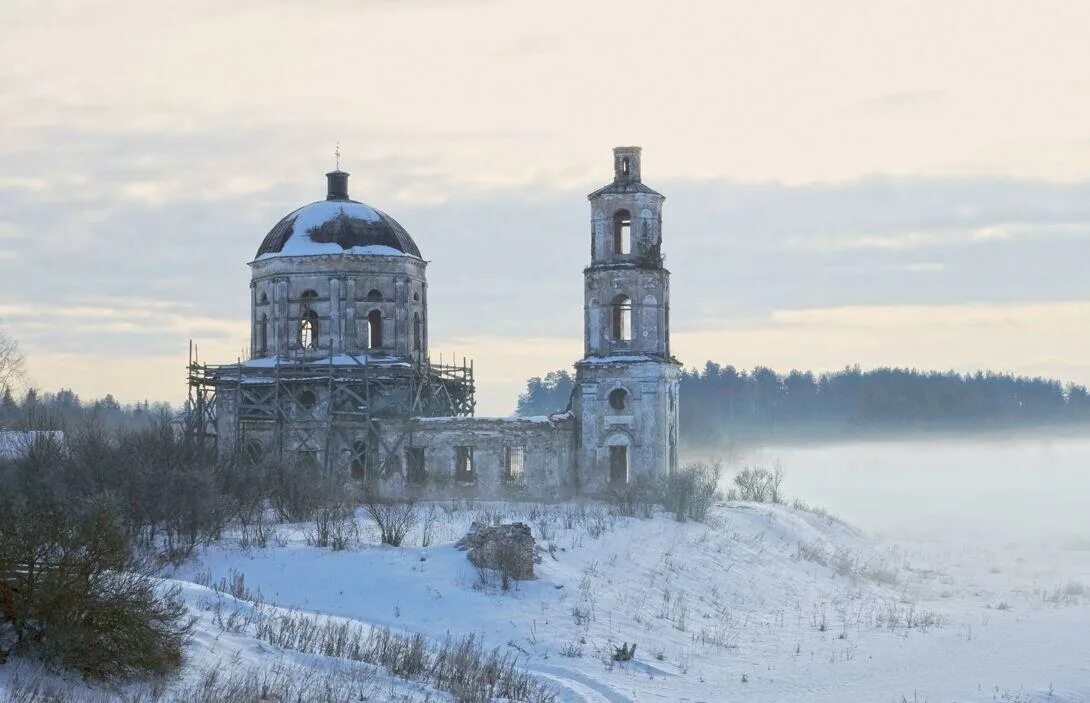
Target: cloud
pixel 132 254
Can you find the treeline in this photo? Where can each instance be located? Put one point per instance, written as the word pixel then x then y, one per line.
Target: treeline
pixel 723 403
pixel 33 410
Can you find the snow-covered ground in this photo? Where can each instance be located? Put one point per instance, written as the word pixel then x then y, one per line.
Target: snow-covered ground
pixel 762 603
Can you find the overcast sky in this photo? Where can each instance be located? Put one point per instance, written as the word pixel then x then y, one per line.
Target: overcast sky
pixel 881 183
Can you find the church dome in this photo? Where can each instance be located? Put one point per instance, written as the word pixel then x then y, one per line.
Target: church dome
pixel 337 225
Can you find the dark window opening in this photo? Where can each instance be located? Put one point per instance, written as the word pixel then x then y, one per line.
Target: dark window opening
pixel 622 232
pixel 416 297
pixel 307 399
pixel 414 459
pixel 618 399
pixel 264 299
pixel 263 335
pixel 514 464
pixel 618 464
pixel 359 465
pixel 416 332
pixel 621 322
pixel 375 294
pixel 374 329
pixel 464 471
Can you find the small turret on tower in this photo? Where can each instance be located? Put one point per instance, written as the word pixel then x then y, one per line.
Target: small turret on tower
pixel 626 164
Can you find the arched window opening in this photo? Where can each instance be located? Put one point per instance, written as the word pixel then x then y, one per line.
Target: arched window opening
pixel 416 297
pixel 416 332
pixel 359 464
pixel 263 335
pixel 308 296
pixel 618 399
pixel 622 319
pixel 624 166
pixel 374 294
pixel 308 330
pixel 307 399
pixel 374 329
pixel 264 298
pixel 622 232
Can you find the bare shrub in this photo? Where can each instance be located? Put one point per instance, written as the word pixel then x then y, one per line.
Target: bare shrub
pixel 459 666
pixel 690 492
pixel 636 498
pixel 503 565
pixel 334 527
pixel 394 518
pixel 572 649
pixel 297 489
pixel 758 485
pixel 428 525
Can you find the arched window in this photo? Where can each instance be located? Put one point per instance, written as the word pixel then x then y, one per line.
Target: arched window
pixel 264 298
pixel 374 294
pixel 618 459
pixel 307 399
pixel 621 323
pixel 622 232
pixel 263 335
pixel 308 320
pixel 618 399
pixel 624 166
pixel 416 332
pixel 374 329
pixel 308 330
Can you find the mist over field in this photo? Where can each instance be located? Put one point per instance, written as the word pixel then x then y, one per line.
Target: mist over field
pixel 1021 489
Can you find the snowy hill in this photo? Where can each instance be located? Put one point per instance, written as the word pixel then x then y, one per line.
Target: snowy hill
pixel 762 603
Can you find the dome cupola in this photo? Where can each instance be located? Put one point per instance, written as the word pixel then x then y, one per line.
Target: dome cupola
pixel 337 225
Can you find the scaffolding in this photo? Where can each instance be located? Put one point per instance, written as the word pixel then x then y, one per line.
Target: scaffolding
pixel 317 407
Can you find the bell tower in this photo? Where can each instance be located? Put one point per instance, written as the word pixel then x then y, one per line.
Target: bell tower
pixel 626 398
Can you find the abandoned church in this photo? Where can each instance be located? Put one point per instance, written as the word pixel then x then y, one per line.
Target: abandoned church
pixel 339 372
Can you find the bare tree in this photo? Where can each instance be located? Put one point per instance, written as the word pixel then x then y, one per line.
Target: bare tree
pixel 11 361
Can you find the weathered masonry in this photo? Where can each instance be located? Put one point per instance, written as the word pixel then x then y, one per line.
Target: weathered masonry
pixel 339 373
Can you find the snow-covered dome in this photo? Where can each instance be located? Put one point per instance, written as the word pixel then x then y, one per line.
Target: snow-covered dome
pixel 337 225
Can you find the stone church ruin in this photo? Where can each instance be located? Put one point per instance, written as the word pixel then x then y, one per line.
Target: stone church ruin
pixel 340 374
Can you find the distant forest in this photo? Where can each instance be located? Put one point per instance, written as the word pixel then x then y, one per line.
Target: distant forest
pixel 65 410
pixel 722 403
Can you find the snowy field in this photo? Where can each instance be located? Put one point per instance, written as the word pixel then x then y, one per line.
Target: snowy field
pixel 968 579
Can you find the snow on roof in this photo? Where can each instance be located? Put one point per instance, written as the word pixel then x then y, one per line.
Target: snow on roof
pixel 337 227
